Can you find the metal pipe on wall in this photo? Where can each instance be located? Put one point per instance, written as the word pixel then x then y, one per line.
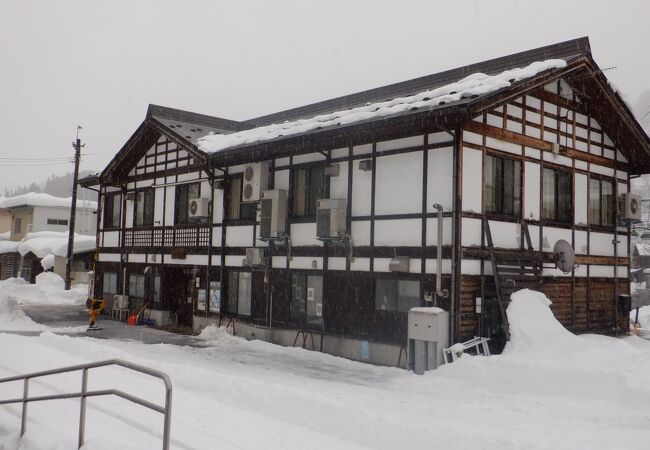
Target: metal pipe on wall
pixel 440 293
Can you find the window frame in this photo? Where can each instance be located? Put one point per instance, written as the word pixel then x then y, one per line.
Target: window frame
pixel 148 196
pixel 137 285
pixel 61 222
pixel 18 225
pixel 248 209
pixel 178 219
pixel 109 211
pixel 516 197
pixel 600 179
pixel 303 318
pixel 235 294
pixel 109 276
pixel 556 196
pixel 396 301
pixel 310 198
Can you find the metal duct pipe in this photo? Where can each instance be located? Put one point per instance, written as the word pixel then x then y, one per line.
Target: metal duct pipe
pixel 440 293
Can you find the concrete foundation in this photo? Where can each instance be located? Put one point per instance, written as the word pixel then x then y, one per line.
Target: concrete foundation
pixel 355 349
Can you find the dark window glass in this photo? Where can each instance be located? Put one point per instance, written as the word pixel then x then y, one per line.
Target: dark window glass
pixel 112 206
pixel 602 202
pixel 307 187
pixel 240 286
pixel 136 286
pixel 57 222
pixel 503 186
pixel 396 295
pixel 144 204
pixel 557 194
pixel 306 299
pixel 183 194
pixel 18 225
pixel 238 210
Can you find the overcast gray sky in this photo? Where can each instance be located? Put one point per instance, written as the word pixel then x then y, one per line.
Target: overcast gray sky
pixel 99 64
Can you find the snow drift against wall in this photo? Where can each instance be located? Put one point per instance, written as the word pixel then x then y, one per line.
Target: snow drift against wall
pixel 470 86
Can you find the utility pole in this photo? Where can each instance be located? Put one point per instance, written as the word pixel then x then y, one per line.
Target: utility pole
pixel 73 210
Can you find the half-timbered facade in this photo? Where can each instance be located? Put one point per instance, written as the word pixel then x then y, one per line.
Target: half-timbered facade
pixel 512 169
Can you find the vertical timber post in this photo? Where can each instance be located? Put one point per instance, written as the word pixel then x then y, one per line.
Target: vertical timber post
pixel 73 210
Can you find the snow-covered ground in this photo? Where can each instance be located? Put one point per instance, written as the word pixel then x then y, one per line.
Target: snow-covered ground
pixel 549 390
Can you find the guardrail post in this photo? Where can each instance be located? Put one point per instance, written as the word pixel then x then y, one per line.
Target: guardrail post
pixel 168 418
pixel 82 409
pixel 23 422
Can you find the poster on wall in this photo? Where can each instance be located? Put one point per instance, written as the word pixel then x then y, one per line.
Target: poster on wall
pixel 200 302
pixel 215 296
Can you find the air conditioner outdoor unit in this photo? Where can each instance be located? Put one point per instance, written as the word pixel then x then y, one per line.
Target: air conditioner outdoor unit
pixel 198 207
pixel 256 180
pixel 330 218
pixel 254 256
pixel 629 206
pixel 273 213
pixel 121 301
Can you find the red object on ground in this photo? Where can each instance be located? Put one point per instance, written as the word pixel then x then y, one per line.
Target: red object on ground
pixel 132 320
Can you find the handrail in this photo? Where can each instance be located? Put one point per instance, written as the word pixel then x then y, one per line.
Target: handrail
pixel 165 410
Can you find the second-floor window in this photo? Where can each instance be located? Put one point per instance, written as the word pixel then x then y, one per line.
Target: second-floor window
pixel 238 210
pixel 112 206
pixel 601 202
pixel 57 221
pixel 503 186
pixel 144 207
pixel 184 193
pixel 308 185
pixel 18 225
pixel 557 194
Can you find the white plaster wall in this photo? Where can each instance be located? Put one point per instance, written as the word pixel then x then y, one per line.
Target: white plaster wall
pixel 432 231
pixel 440 164
pixel 281 179
pixel 339 184
pixel 361 183
pixel 239 236
pixel 398 232
pixel 111 239
pixel 398 188
pixel 552 235
pixel 304 234
pixel 472 180
pixel 581 204
pixel 169 205
pixel 471 232
pixel 601 244
pixel 361 232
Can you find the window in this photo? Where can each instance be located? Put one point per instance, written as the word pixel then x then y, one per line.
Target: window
pixel 18 225
pixel 306 299
pixel 109 283
pixel 112 206
pixel 503 186
pixel 396 295
pixel 144 207
pixel 557 194
pixel 601 202
pixel 240 286
pixel 184 193
pixel 308 185
pixel 238 210
pixel 57 222
pixel 136 286
pixel 155 295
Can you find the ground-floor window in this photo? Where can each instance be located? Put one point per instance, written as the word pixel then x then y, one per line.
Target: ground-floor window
pixel 136 286
pixel 155 293
pixel 396 295
pixel 109 283
pixel 240 287
pixel 307 299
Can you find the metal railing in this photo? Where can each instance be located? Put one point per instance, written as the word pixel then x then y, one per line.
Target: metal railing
pixel 85 393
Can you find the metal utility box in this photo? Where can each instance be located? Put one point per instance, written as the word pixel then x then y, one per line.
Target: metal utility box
pixel 254 256
pixel 273 213
pixel 428 334
pixel 330 218
pixel 400 264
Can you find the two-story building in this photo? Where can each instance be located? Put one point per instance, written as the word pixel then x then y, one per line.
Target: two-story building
pixel 330 221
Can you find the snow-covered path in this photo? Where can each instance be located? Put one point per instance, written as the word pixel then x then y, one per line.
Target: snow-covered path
pixel 566 392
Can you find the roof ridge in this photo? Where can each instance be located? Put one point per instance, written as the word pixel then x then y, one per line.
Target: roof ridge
pixel 194 118
pixel 561 50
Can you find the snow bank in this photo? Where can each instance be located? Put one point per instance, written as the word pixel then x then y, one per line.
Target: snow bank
pixel 470 86
pixel 12 318
pixel 49 289
pixel 644 317
pixel 42 199
pixel 48 261
pixel 532 323
pixel 5 236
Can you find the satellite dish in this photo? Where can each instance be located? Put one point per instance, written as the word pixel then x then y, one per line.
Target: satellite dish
pixel 565 258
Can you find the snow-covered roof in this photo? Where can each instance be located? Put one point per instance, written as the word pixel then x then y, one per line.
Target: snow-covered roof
pixel 42 243
pixel 642 249
pixel 42 199
pixel 468 87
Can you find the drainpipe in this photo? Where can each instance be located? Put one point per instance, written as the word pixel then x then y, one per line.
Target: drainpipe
pixel 440 293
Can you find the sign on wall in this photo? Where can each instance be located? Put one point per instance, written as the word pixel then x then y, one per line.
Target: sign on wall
pixel 201 297
pixel 215 296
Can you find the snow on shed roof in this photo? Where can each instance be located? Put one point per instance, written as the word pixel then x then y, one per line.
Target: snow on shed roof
pixel 55 243
pixel 42 199
pixel 468 87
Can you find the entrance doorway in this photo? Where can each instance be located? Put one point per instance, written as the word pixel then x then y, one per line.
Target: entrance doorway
pixel 179 293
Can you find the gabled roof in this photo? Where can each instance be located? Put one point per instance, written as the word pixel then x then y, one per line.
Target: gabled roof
pixel 182 127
